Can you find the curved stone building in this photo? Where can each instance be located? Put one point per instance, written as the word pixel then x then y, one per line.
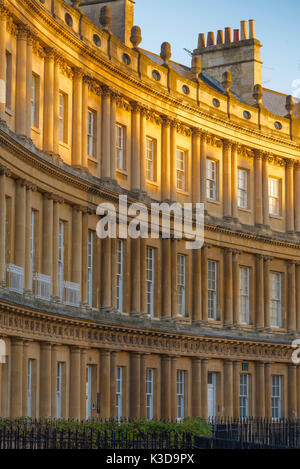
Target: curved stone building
pixel 143 327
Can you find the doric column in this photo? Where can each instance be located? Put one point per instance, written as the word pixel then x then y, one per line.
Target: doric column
pixel 55 104
pixel 196 387
pixel 204 282
pixel 4 172
pixel 290 207
pixel 76 244
pixel 105 168
pixel 3 16
pixel 28 85
pixel 143 413
pixel 47 257
pixel 54 360
pixel 292 391
pixel 268 402
pixel 234 183
pixel 20 217
pixel 113 135
pixel 49 101
pixel 84 273
pixel 136 157
pixel 297 198
pixel 228 310
pixel 135 383
pixel 85 104
pixel 143 148
pixel 166 160
pixel 55 287
pixel 298 387
pixel 25 381
pixel 173 389
pixel 16 378
pixel 105 384
pixel 106 273
pixel 45 380
pixel 298 297
pixel 166 278
pixel 227 180
pixel 265 191
pixel 291 313
pixel 113 358
pixel 27 273
pixel 204 406
pixel 259 292
pixel 203 156
pixel 266 292
pixel 196 151
pixel 83 366
pixel 21 80
pixel 197 287
pixel 136 275
pixel 235 287
pixel 77 118
pixel 258 189
pixel 228 388
pixel 173 157
pixel 165 388
pixel 173 284
pixel 236 388
pixel 75 379
pixel 260 389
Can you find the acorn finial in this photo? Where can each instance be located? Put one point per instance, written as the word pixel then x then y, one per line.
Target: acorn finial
pixel 136 36
pixel 165 52
pixel 105 18
pixel 257 94
pixel 290 104
pixel 227 81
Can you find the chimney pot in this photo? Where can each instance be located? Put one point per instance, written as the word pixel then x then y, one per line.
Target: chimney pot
pixel 243 30
pixel 220 37
pixel 201 41
pixel 227 35
pixel 210 39
pixel 251 29
pixel 236 35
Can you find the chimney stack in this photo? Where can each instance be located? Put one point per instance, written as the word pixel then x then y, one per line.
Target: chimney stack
pixel 243 30
pixel 236 35
pixel 227 35
pixel 220 37
pixel 210 39
pixel 201 40
pixel 251 29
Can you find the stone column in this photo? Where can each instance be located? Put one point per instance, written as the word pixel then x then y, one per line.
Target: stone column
pixel 25 381
pixel 260 389
pixel 45 380
pixel 228 311
pixel 49 101
pixel 136 157
pixel 204 407
pixel 236 388
pixel 54 360
pixel 196 387
pixel 228 388
pixel 166 160
pixel 21 81
pixel 105 384
pixel 55 287
pixel 135 384
pixel 290 207
pixel 83 366
pixel 76 244
pixel 27 273
pixel 28 85
pixel 292 391
pixel 113 135
pixel 3 16
pixel 259 292
pixel 173 389
pixel 16 378
pixel 20 216
pixel 203 156
pixel 56 105
pixel 227 180
pixel 197 287
pixel 143 413
pixel 298 387
pixel 166 278
pixel 291 314
pixel 265 190
pixel 75 380
pixel 266 290
pixel 235 287
pixel 297 198
pixel 47 257
pixel 136 275
pixel 268 403
pixel 173 157
pixel 4 172
pixel 258 189
pixel 143 148
pixel 234 183
pixel 113 358
pixel 106 273
pixel 165 388
pixel 196 166
pixel 105 168
pixel 298 296
pixel 84 273
pixel 77 118
pixel 173 284
pixel 85 107
pixel 204 281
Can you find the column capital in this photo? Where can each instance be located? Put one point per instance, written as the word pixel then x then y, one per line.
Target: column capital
pixel 80 208
pixel 22 31
pixel 105 91
pixel 136 107
pixel 196 132
pixel 4 171
pixel 289 163
pixel 228 250
pixel 167 121
pixel 206 245
pixel 50 54
pixel 78 72
pixel 227 144
pixel 30 186
pixel 258 154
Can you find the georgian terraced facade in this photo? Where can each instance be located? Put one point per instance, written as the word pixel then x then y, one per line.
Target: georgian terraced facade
pixel 143 328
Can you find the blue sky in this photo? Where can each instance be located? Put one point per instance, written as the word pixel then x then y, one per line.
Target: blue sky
pixel 276 24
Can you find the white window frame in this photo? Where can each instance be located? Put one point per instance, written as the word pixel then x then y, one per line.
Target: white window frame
pixel 91 127
pixel 149 393
pixel 34 100
pixel 61 238
pixel 211 179
pixel 150 155
pixel 32 231
pixel 276 299
pixel 120 139
pixel 120 273
pixel 180 382
pixel 242 188
pixel 180 169
pixel 150 274
pixel 212 286
pixel 244 294
pixel 119 392
pixel 276 396
pixel 90 266
pixel 62 117
pixel 274 196
pixel 244 387
pixel 181 284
